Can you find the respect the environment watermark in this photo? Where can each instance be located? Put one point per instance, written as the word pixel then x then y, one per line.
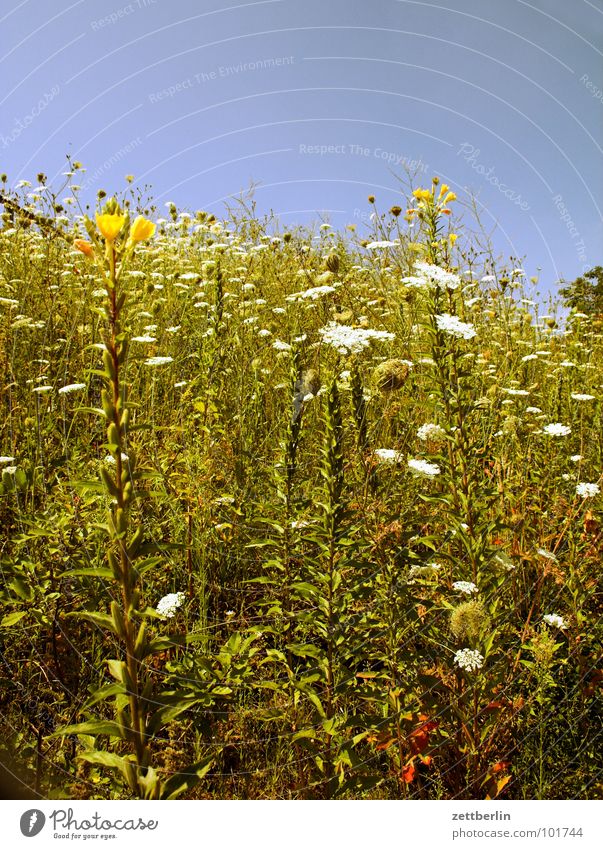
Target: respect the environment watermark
pixel 221 72
pixel 112 160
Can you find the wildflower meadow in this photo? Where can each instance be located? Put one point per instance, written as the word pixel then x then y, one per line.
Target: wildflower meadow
pixel 292 513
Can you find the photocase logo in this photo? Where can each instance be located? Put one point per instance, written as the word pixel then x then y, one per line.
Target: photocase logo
pixel 32 822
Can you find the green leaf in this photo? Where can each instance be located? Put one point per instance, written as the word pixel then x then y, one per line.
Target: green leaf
pixel 92 727
pixel 92 572
pixel 186 779
pixel 304 650
pixel 12 618
pixel 101 619
pixel 93 756
pixel 104 693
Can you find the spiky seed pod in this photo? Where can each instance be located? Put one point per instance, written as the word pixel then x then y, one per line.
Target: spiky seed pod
pixel 468 620
pixel 311 381
pixel 391 375
pixel 332 263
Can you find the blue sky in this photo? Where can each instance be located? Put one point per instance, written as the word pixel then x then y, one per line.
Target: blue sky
pixel 320 103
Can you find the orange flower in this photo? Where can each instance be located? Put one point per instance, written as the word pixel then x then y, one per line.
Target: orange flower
pixel 84 246
pixel 110 225
pixel 141 230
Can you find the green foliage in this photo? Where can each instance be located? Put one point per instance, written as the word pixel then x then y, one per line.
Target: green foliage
pixel 585 293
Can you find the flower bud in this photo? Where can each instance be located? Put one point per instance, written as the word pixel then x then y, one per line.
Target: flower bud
pixel 84 246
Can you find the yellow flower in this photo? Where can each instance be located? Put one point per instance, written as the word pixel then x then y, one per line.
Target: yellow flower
pixel 110 225
pixel 84 246
pixel 141 229
pixel 450 197
pixel 452 237
pixel 422 194
pixel 444 188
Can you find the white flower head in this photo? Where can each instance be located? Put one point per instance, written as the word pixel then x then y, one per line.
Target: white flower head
pixel 469 659
pixel 351 340
pixel 422 467
pixel 168 605
pixel 467 587
pixel 433 275
pixel 158 361
pixel 431 432
pixel 71 387
pixel 556 429
pixel 580 396
pixel 556 621
pixel 388 455
pixel 382 244
pixel 587 490
pixel 455 327
pixel 311 294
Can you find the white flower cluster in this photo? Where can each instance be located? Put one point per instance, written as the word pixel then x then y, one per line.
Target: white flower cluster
pixel 429 571
pixel 351 340
pixel 382 244
pixel 422 467
pixel 587 490
pixel 467 587
pixel 71 387
pixel 311 294
pixel 556 429
pixel 454 326
pixel 469 659
pixel 522 393
pixel 388 455
pixel 158 361
pixel 579 396
pixel 433 275
pixel 432 432
pixel 169 604
pixel 556 621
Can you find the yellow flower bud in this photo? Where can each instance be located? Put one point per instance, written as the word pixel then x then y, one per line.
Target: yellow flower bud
pixel 141 230
pixel 84 246
pixel 110 225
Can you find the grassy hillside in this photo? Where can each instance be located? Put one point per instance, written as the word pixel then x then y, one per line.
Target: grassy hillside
pixel 293 514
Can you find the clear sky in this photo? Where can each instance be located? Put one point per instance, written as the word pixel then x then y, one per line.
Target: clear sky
pixel 320 102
